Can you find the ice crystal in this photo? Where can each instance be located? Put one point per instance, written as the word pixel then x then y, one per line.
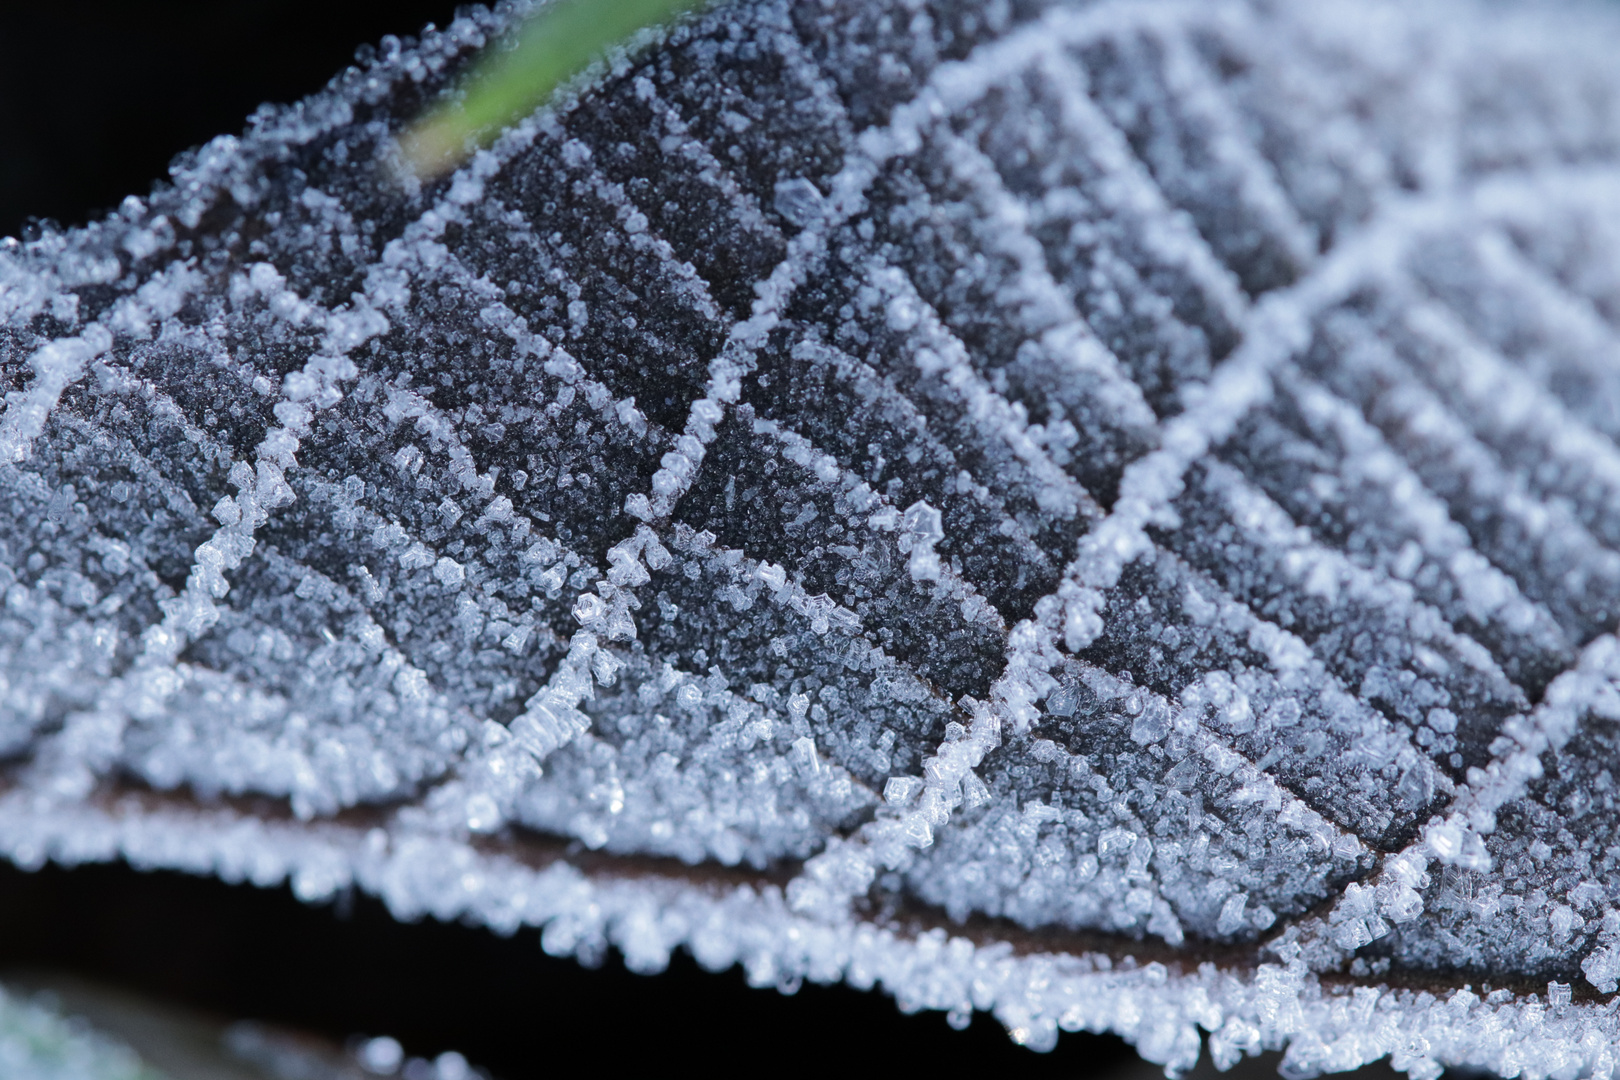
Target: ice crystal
pixel 1102 513
pixel 38 1043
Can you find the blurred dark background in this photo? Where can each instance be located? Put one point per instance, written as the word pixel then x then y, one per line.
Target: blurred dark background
pixel 348 968
pixel 96 96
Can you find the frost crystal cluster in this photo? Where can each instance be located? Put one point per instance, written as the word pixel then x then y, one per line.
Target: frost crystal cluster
pixel 1103 513
pixel 38 1043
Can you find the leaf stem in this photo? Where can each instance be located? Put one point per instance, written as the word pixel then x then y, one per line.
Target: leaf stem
pixel 518 74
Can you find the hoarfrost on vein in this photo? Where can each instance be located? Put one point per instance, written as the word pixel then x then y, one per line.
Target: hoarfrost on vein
pixel 1139 472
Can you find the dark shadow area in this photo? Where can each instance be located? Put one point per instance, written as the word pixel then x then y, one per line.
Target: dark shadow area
pixel 348 967
pixel 97 96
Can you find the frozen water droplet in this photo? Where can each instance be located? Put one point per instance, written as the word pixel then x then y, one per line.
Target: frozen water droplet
pixel 381 1056
pixel 798 200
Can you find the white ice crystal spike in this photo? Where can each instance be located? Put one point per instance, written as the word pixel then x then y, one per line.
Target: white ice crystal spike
pixel 1160 93
pixel 300 694
pixel 759 635
pixel 1108 233
pixel 871 309
pixel 874 70
pixel 585 297
pixel 1536 434
pixel 1337 476
pixel 1271 83
pixel 1538 541
pixel 1121 806
pixel 679 765
pixel 1136 478
pixel 971 253
pixel 884 440
pixel 1284 709
pixel 1546 905
pixel 1566 247
pixel 1396 654
pixel 669 172
pixel 787 514
pixel 1536 322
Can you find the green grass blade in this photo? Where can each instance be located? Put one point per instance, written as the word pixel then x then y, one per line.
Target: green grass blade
pixel 516 76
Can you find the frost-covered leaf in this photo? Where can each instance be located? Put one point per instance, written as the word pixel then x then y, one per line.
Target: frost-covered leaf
pixel 1114 504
